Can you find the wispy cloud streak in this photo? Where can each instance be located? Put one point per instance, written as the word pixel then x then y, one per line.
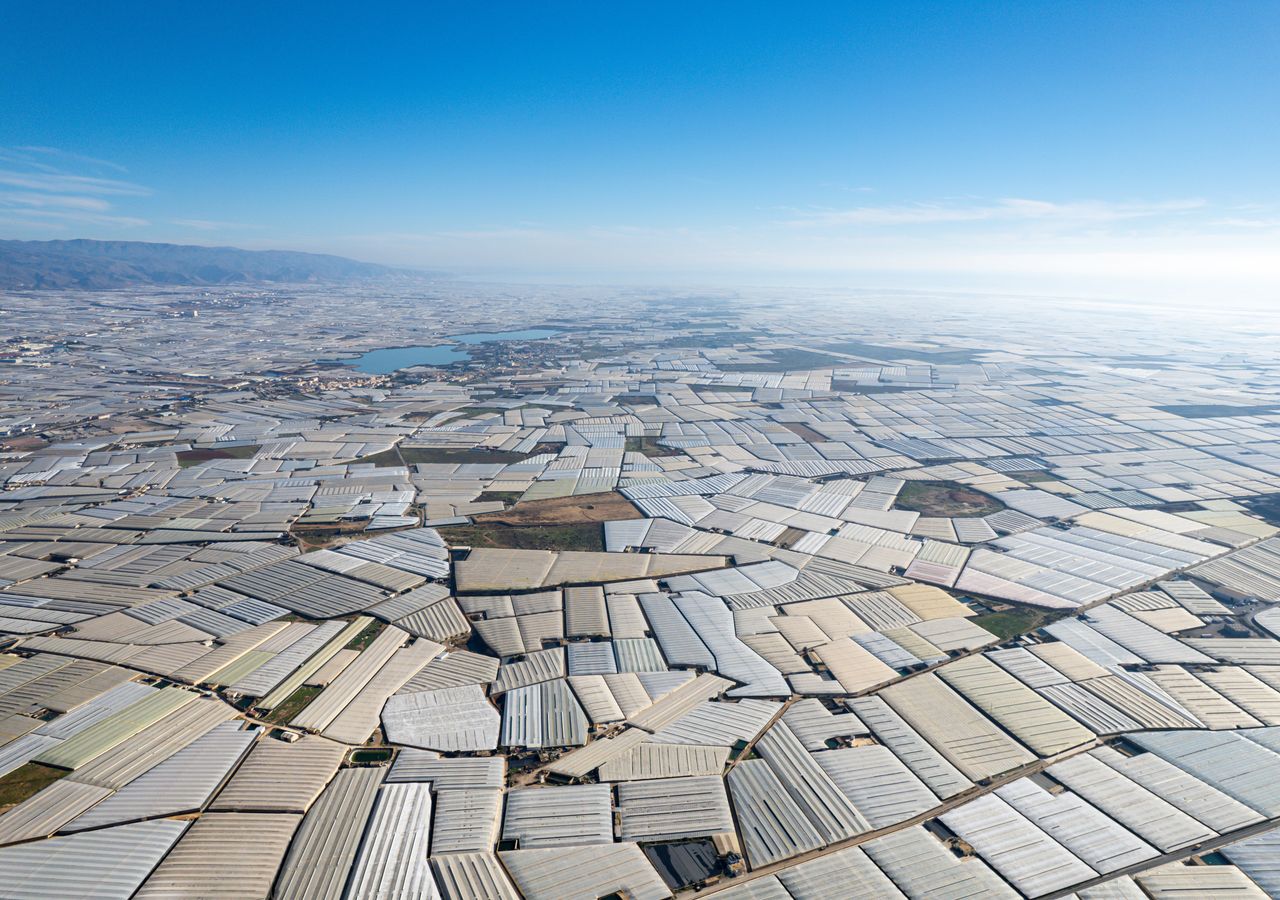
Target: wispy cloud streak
pixel 52 189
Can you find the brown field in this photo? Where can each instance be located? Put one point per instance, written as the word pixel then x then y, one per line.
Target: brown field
pixel 577 536
pixel 328 536
pixel 789 537
pixel 23 442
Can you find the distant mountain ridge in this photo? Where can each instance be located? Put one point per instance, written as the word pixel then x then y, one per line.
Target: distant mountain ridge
pixel 104 265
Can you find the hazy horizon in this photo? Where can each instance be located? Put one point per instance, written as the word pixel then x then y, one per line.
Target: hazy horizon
pixel 1096 149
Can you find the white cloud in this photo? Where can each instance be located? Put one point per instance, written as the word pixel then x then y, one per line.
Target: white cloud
pixel 62 182
pixel 68 201
pixel 33 154
pixel 61 219
pixel 1006 209
pixel 1245 222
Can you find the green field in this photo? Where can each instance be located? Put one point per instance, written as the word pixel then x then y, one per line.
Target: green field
pixel 26 781
pixel 292 705
pixel 366 636
pixel 945 498
pixel 649 446
pixel 1013 622
pixel 507 497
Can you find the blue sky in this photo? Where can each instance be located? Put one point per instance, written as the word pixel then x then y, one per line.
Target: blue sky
pixel 1060 146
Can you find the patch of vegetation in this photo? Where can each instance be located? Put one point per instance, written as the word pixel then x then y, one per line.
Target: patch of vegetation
pixel 27 781
pixel 362 640
pixel 187 458
pixel 315 540
pixel 945 498
pixel 292 705
pixel 23 442
pixel 1013 622
pixel 581 536
pixel 318 536
pixel 590 351
pixel 508 497
pixel 649 446
pixel 1037 476
pixel 1267 506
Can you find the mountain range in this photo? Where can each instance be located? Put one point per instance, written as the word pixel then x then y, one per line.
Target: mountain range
pixel 105 265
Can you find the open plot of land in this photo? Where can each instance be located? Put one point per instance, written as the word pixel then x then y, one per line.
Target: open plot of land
pixel 1267 506
pixel 602 507
pixel 1034 477
pixel 327 536
pixel 204 454
pixel 557 523
pixel 945 498
pixel 362 640
pixel 581 536
pixel 650 447
pixel 506 497
pixel 23 443
pixel 804 431
pixel 293 704
pixel 1010 623
pixel 26 781
pixel 399 456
